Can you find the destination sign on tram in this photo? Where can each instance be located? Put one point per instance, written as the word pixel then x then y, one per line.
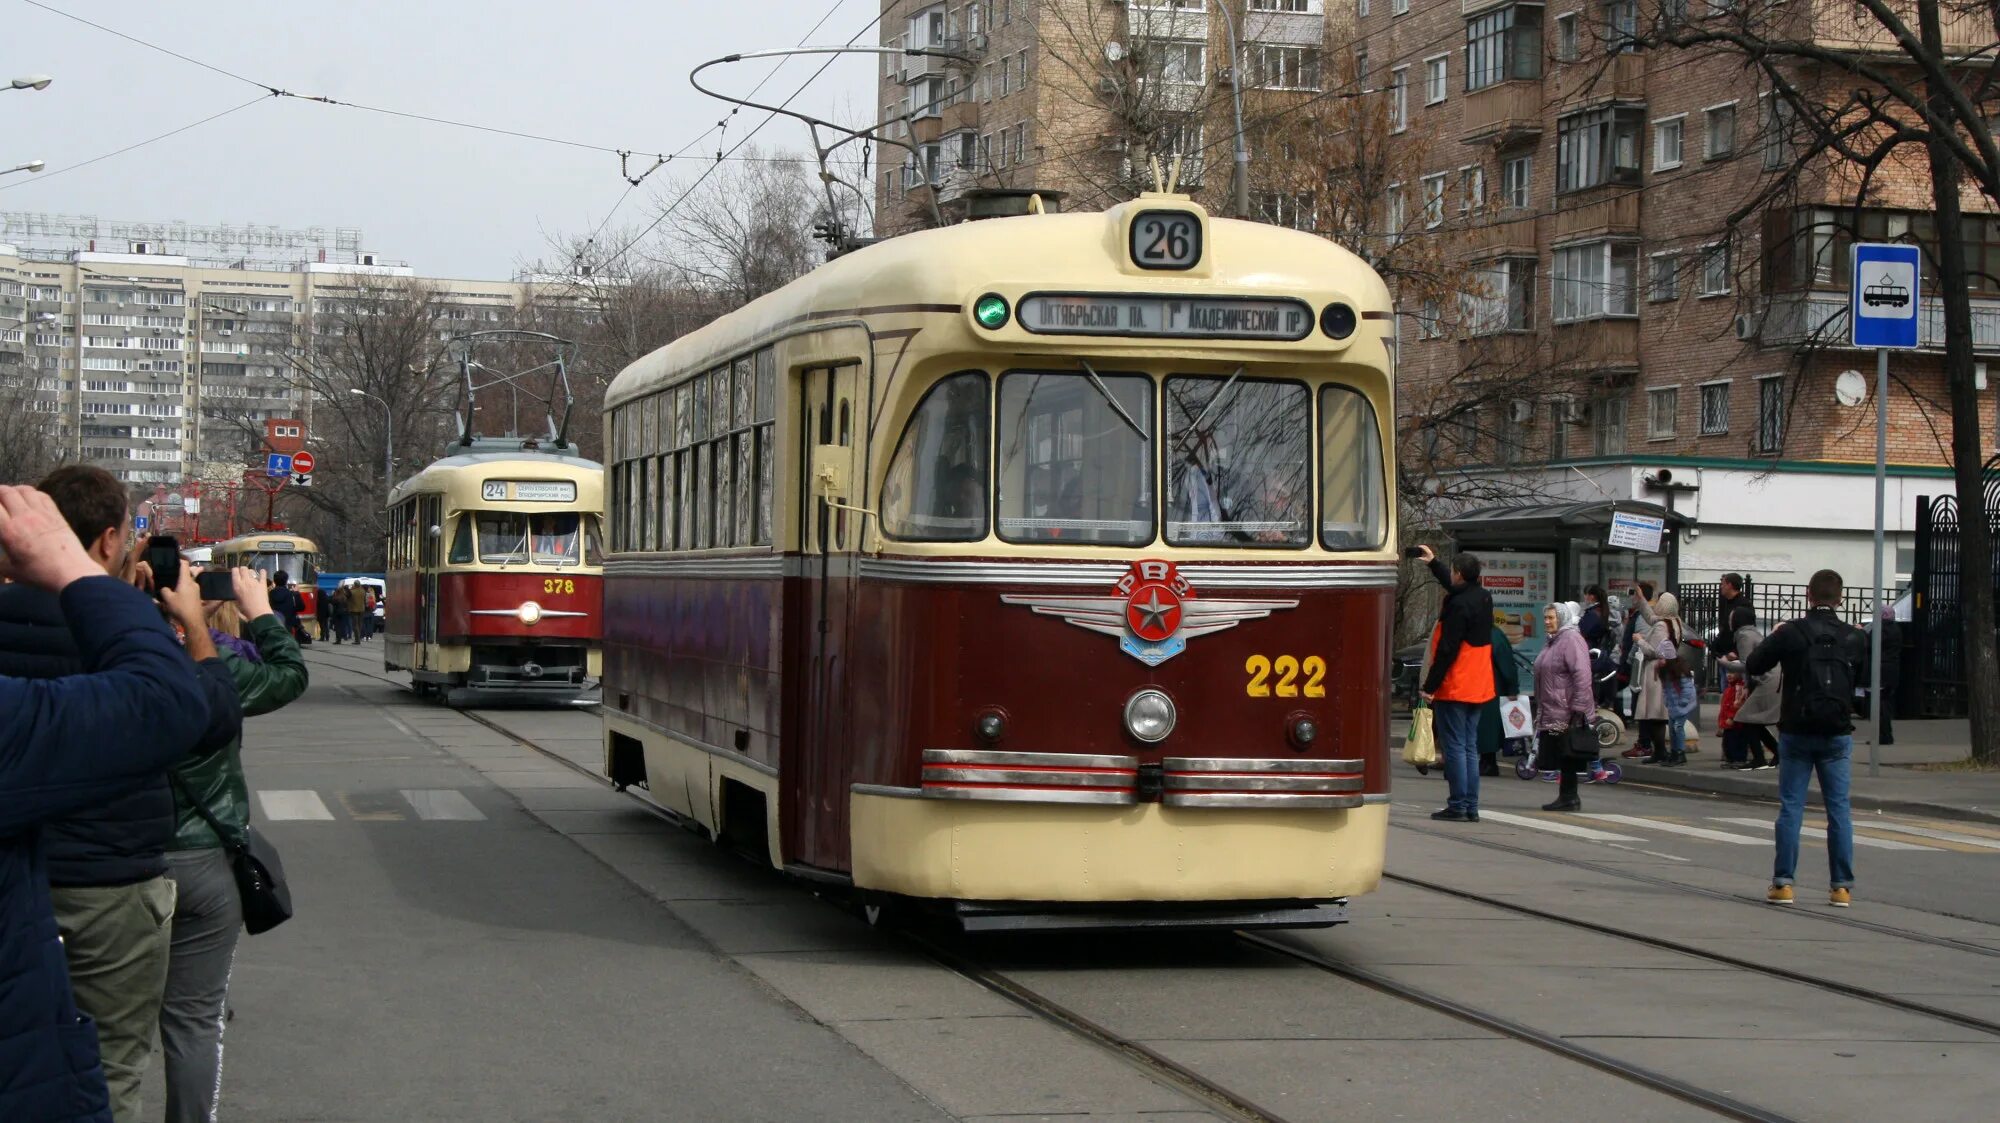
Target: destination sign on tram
pixel 528 491
pixel 1165 316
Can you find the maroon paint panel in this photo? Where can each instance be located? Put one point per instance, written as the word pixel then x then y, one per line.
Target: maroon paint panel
pixel 460 593
pixel 696 657
pixel 399 616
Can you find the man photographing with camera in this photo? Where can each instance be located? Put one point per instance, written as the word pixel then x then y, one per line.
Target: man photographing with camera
pixel 100 699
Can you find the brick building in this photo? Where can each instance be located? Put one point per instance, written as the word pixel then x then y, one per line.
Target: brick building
pixel 1606 322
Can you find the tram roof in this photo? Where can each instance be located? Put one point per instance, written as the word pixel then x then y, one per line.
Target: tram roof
pixel 299 542
pixel 951 265
pixel 442 473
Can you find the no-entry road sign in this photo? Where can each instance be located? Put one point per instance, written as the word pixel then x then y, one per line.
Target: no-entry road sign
pixel 302 463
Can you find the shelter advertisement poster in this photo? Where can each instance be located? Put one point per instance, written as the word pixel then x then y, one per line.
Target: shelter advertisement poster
pixel 1520 584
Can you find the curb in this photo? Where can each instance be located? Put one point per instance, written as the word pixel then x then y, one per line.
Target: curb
pixel 1726 783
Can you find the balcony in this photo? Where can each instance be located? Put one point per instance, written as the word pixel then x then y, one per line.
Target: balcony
pixel 1503 113
pixel 1820 318
pixel 1508 232
pixel 1608 346
pixel 1600 78
pixel 1842 25
pixel 1608 211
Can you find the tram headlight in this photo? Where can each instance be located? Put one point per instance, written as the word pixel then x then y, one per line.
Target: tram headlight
pixel 529 613
pixel 1338 320
pixel 991 311
pixel 1149 716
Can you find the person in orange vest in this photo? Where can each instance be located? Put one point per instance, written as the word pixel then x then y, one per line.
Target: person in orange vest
pixel 1461 679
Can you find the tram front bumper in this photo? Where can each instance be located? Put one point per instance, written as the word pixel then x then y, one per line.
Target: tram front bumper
pixel 995 851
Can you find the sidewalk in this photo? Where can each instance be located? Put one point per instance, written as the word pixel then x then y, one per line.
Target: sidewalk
pixel 1972 796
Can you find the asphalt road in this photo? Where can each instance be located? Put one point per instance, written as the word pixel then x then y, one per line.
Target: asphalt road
pixel 485 933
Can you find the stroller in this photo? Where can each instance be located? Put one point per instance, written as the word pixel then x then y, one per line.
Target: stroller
pixel 1608 726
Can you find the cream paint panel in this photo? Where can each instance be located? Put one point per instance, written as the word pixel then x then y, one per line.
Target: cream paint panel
pixel 687 780
pixel 722 768
pixel 994 851
pixel 593 664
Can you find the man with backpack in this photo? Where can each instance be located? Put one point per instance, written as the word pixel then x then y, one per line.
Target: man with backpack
pixel 1822 657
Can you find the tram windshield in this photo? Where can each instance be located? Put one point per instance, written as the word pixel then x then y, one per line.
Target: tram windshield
pixel 296 567
pixel 1352 510
pixel 936 486
pixel 1239 462
pixel 1075 458
pixel 513 538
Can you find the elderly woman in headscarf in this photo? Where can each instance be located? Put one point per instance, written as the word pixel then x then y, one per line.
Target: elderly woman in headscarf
pixel 1563 697
pixel 1656 642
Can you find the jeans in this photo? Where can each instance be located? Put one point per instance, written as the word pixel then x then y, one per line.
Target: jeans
pixel 1800 757
pixel 1457 726
pixel 115 938
pixel 207 919
pixel 1677 739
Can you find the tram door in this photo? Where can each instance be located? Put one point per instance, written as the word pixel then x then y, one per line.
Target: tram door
pixel 830 450
pixel 430 553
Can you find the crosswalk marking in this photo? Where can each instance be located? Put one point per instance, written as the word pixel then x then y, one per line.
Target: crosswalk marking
pixel 442 803
pixel 1555 827
pixel 1979 841
pixel 293 805
pixel 1820 833
pixel 1680 828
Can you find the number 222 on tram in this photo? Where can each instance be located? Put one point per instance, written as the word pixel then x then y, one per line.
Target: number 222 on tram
pixel 1036 569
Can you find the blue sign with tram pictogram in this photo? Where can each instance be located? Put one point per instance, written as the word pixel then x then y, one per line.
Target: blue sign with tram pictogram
pixel 1884 296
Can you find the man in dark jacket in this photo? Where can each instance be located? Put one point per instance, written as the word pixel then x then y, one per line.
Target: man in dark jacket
pixel 287 603
pixel 107 866
pixel 1733 611
pixel 1824 658
pixel 1461 678
pixel 65 745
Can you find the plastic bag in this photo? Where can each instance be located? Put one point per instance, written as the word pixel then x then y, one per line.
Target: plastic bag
pixel 1420 745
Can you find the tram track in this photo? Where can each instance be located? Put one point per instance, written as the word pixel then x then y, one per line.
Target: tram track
pixel 1227 1103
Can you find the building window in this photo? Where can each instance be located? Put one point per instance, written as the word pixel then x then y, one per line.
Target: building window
pixel 1663 407
pixel 1399 99
pixel 1021 143
pixel 1775 129
pixel 1595 281
pixel 1275 67
pixel 1285 6
pixel 1397 215
pixel 1621 25
pixel 1663 281
pixel 1506 298
pixel 1176 61
pixel 968 150
pixel 1770 414
pixel 1399 7
pixel 1503 45
pixel 1714 409
pixel 1515 173
pixel 1721 123
pixel 1667 135
pixel 1472 189
pixel 1361 7
pixel 1715 269
pixel 1434 200
pixel 1598 146
pixel 1283 208
pixel 1430 319
pixel 1608 426
pixel 1437 76
pixel 1566 44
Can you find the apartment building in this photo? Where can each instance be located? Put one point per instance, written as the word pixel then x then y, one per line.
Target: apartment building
pixel 1079 97
pixel 150 363
pixel 1585 184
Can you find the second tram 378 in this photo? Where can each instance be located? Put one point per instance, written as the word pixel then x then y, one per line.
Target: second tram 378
pixel 1038 570
pixel 495 575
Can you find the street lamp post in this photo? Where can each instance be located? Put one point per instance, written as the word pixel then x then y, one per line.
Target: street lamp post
pixel 30 166
pixel 1242 192
pixel 31 82
pixel 388 437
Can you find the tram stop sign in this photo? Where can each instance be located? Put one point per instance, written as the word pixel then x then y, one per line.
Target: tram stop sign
pixel 1884 296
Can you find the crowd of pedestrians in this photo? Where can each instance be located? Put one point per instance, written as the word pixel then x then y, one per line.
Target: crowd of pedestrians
pixel 1800 678
pixel 351 609
pixel 122 803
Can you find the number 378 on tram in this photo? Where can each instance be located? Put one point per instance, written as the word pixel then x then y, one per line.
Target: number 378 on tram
pixel 1036 570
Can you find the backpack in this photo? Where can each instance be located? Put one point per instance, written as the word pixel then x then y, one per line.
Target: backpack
pixel 1824 696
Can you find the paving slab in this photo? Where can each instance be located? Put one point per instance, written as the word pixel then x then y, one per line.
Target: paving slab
pixel 875 984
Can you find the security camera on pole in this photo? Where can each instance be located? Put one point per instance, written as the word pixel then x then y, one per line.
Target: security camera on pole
pixel 1883 296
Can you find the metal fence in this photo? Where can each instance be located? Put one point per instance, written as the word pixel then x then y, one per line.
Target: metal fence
pixel 1701 604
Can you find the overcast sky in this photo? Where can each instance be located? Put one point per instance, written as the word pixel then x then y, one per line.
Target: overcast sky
pixel 451 201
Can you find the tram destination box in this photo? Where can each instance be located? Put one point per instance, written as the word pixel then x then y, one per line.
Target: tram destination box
pixel 1181 317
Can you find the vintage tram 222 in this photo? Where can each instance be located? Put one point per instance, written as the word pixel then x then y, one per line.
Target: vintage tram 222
pixel 1037 569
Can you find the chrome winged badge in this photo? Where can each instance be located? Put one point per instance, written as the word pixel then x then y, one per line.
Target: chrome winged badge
pixel 1152 610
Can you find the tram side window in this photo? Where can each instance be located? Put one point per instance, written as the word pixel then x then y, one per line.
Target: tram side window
pixel 936 487
pixel 1353 513
pixel 1239 462
pixel 461 542
pixel 1075 458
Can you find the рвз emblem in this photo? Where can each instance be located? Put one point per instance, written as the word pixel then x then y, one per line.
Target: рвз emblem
pixel 1153 611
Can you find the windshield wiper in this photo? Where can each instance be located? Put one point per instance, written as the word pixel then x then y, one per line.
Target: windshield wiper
pixel 1105 392
pixel 1194 426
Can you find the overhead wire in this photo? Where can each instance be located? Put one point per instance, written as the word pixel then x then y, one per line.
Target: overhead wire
pixel 45 177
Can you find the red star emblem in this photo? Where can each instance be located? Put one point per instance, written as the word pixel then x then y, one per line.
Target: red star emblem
pixel 1153 612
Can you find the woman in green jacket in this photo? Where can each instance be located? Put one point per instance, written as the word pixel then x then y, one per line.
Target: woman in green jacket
pixel 269 674
pixel 1507 682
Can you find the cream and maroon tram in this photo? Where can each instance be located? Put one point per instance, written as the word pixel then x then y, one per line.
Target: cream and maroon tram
pixel 272 553
pixel 495 576
pixel 1037 568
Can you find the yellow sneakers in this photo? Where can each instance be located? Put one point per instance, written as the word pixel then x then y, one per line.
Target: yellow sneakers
pixel 1840 898
pixel 1779 895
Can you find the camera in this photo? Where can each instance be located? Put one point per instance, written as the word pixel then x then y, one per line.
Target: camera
pixel 163 557
pixel 215 584
pixel 1413 551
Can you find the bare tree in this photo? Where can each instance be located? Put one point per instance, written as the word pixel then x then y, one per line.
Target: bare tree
pixel 31 441
pixel 745 230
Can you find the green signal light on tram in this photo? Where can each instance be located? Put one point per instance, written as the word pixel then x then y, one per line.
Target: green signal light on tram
pixel 991 311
